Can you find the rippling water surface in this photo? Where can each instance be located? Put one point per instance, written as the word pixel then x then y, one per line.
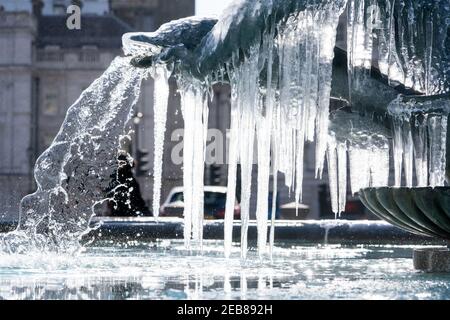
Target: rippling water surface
pixel 165 270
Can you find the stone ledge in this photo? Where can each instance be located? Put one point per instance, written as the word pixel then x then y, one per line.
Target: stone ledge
pixel 314 231
pixel 432 260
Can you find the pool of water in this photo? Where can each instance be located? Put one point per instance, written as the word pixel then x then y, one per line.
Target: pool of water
pixel 166 270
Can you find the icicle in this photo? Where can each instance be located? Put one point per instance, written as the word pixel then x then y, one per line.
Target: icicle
pixel 409 49
pixel 188 109
pixel 360 28
pixel 408 153
pixel 398 151
pixel 342 175
pixel 161 76
pixel 359 168
pixel 368 156
pixel 379 164
pixel 262 207
pixel 264 131
pixel 299 166
pixel 333 174
pixel 437 131
pixel 275 169
pixel 195 114
pixel 420 150
pixel 421 137
pixel 273 209
pixel 327 43
pixel 232 166
pixel 249 86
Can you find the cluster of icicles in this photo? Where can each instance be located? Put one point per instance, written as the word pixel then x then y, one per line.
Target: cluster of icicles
pixel 408 39
pixel 279 107
pixel 278 111
pixel 420 140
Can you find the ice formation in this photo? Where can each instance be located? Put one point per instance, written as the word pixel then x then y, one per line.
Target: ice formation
pixel 280 76
pixel 420 140
pixel 280 99
pixel 407 40
pixel 277 57
pixel 362 145
pixel 195 113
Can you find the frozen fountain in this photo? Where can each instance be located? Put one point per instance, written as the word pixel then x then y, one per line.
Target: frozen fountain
pixel 277 56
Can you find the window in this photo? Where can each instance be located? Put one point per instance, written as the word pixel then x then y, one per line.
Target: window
pixel 89 56
pixel 51 103
pixel 53 55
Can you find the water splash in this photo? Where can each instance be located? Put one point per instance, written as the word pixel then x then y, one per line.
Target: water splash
pixel 73 174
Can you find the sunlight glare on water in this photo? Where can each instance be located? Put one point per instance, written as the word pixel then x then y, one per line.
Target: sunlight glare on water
pixel 166 270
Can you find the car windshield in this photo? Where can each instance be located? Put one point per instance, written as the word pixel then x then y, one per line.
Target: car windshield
pixel 211 198
pixel 177 197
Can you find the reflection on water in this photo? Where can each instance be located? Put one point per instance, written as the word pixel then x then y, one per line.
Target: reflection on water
pixel 164 270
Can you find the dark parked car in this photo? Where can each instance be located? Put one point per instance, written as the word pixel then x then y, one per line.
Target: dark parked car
pixel 214 203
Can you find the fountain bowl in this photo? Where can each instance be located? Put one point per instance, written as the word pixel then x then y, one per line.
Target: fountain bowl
pixel 423 211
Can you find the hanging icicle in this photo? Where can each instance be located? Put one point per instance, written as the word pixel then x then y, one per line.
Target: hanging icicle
pixel 195 113
pixel 161 76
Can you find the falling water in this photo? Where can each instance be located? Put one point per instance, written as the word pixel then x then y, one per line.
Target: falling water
pixel 74 173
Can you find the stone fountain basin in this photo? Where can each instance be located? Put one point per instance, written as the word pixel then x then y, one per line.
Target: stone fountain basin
pixel 423 211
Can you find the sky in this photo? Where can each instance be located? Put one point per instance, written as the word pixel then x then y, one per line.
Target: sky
pixel 211 7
